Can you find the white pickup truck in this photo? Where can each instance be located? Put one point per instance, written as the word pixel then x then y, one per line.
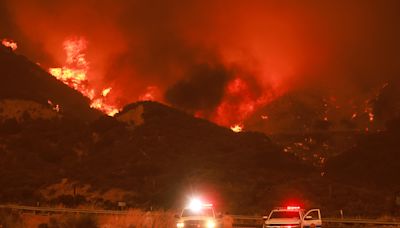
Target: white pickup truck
pixel 198 215
pixel 293 217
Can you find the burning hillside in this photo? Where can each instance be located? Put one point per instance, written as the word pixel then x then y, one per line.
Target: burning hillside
pixel 74 74
pixel 24 83
pixel 9 43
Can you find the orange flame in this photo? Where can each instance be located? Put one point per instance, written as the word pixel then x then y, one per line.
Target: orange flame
pixel 105 92
pixel 9 43
pixel 371 116
pixel 237 128
pixel 150 94
pixel 74 74
pixel 55 107
pixel 238 104
pixel 100 104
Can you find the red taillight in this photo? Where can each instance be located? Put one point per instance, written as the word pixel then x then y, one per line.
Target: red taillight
pixel 293 207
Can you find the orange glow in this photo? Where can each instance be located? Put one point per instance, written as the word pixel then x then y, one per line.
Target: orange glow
pixel 9 43
pixel 198 114
pixel 150 94
pixel 266 49
pixel 100 104
pixel 105 92
pixel 239 103
pixel 55 107
pixel 371 116
pixel 237 128
pixel 74 74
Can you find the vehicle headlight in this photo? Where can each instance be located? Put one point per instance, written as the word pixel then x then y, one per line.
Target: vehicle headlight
pixel 180 224
pixel 210 224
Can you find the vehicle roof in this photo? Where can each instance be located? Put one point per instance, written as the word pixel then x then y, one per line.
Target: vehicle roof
pixel 287 209
pixel 205 207
pixel 301 210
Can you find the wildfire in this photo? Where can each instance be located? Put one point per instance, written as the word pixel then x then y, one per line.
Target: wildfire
pixel 371 116
pixel 74 74
pixel 105 92
pixel 237 128
pixel 9 43
pixel 100 104
pixel 55 107
pixel 238 104
pixel 150 94
pixel 369 111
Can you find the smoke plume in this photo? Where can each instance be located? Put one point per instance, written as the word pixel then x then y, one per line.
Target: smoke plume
pixel 193 51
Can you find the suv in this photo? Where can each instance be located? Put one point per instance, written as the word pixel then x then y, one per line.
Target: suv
pixel 293 217
pixel 197 215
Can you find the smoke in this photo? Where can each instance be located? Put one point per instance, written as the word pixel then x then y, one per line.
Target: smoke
pixel 201 89
pixel 191 51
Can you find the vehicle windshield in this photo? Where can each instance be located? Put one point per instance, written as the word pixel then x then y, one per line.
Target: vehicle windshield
pixel 285 214
pixel 203 212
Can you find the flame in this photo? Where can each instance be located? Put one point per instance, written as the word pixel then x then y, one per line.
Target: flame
pixel 100 104
pixel 150 94
pixel 55 107
pixel 9 43
pixel 371 116
pixel 238 104
pixel 369 111
pixel 237 128
pixel 105 92
pixel 74 74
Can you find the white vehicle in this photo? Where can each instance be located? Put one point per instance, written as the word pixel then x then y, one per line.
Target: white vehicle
pixel 293 217
pixel 197 215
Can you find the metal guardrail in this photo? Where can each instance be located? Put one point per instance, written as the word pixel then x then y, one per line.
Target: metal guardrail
pixel 361 221
pixel 239 220
pixel 63 210
pixel 246 221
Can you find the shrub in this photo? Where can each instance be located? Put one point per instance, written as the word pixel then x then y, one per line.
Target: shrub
pixel 9 219
pixel 73 221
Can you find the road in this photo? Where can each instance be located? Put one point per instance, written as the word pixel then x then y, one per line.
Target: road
pixel 239 220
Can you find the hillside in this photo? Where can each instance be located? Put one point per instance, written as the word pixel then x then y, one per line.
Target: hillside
pixel 153 156
pixel 153 161
pixel 24 80
pixel 373 162
pixel 316 124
